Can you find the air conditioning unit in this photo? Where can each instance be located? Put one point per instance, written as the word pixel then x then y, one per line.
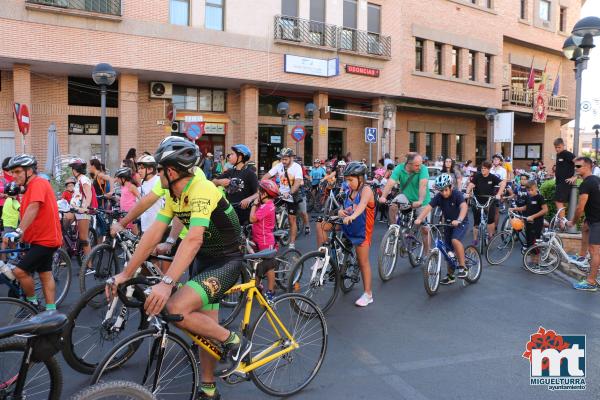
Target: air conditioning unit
pixel 161 90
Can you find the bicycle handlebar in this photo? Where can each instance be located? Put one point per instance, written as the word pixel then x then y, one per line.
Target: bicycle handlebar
pixel 139 296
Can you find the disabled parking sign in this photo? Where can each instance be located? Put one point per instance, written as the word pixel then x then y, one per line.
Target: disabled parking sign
pixel 370 135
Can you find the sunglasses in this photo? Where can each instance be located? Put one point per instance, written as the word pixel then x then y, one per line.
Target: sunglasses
pixel 578 166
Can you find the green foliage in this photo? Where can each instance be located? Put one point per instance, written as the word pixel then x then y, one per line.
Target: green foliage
pixel 547 190
pixel 58 182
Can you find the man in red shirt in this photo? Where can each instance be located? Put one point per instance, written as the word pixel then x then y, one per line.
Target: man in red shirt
pixel 39 226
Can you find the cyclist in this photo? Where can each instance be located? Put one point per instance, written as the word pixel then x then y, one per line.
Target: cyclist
pixel 483 184
pixel 103 183
pixel 39 226
pixel 564 174
pixel 455 211
pixel 241 195
pixel 129 192
pixel 83 198
pixel 213 240
pixel 147 169
pixel 290 182
pixel 535 208
pixel 317 173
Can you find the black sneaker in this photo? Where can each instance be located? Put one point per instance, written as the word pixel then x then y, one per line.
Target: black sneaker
pixel 232 357
pixel 448 280
pixel 462 273
pixel 204 396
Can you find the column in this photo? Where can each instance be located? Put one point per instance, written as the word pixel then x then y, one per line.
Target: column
pixel 128 119
pixel 447 60
pixel 463 58
pixel 320 127
pixel 437 146
pixel 22 95
pixel 480 67
pixel 452 146
pixel 428 55
pixel 249 117
pixel 421 143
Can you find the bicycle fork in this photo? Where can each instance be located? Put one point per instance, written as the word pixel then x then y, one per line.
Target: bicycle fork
pixel 322 269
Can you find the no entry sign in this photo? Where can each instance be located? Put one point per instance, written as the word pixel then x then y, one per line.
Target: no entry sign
pixel 22 116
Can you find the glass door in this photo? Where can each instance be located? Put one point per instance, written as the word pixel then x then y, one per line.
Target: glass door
pixel 335 143
pixel 270 143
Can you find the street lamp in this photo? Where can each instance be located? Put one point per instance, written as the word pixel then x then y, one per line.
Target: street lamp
pixel 490 115
pixel 597 129
pixel 103 75
pixel 577 48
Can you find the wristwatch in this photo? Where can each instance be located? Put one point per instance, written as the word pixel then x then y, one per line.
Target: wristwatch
pixel 170 240
pixel 168 280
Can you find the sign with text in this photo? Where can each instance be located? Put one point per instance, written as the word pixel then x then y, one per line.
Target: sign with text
pixel 311 66
pixel 355 69
pixel 215 128
pixel 504 127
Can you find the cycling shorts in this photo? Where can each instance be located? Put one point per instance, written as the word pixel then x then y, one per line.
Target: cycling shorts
pixel 212 283
pixel 490 213
pixel 292 207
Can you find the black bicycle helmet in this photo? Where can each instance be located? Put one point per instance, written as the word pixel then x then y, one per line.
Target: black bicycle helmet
pixel 22 160
pixel 355 168
pixel 123 172
pixel 5 163
pixel 12 189
pixel 243 150
pixel 179 153
pixel 286 152
pixel 79 165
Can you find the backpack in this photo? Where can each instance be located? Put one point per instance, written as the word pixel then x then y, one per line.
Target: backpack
pixel 94 202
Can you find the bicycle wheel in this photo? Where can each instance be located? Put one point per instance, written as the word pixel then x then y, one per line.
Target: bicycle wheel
pixel 413 240
pixel 285 263
pixel 431 272
pixel 541 259
pixel 92 331
pixel 473 264
pixel 349 272
pixel 114 390
pixel 14 310
pixel 102 263
pixel 44 379
pixel 231 304
pixel 178 378
pixel 388 254
pixel 301 281
pixel 500 247
pixel 293 371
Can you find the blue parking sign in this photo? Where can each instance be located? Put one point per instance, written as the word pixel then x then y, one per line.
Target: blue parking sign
pixel 370 135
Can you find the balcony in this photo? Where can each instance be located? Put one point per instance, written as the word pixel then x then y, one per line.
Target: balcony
pixel 109 8
pixel 518 98
pixel 303 32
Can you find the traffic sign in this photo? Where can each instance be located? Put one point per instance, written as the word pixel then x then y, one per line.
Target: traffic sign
pixel 298 133
pixel 194 130
pixel 171 112
pixel 22 115
pixel 370 135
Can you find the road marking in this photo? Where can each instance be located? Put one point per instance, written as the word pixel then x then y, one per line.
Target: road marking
pixel 405 390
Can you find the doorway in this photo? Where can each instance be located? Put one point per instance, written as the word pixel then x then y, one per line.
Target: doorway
pixel 480 150
pixel 270 143
pixel 308 146
pixel 335 143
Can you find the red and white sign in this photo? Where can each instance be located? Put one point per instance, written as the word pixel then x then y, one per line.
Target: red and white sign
pixel 23 120
pixel 171 112
pixel 355 69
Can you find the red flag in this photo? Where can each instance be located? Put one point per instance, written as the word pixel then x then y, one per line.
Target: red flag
pixel 542 87
pixel 531 81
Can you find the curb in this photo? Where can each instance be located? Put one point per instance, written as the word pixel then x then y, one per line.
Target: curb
pixel 571 271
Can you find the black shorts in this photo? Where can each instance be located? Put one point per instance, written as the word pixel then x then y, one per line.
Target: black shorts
pixel 212 282
pixel 594 237
pixel 490 213
pixel 533 231
pixel 562 192
pixel 37 259
pixel 292 207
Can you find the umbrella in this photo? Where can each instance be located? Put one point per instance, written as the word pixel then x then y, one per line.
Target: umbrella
pixel 53 156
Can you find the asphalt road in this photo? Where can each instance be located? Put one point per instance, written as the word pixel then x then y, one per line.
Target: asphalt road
pixel 464 343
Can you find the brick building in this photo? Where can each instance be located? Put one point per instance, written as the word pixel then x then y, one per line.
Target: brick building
pixel 422 71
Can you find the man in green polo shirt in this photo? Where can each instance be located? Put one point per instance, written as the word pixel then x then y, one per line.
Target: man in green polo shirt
pixel 412 177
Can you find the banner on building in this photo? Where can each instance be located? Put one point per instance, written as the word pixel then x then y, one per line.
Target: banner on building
pixel 540 107
pixel 504 127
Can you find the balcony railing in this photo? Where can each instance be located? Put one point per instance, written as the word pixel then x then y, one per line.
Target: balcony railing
pixel 520 97
pixel 319 34
pixel 110 7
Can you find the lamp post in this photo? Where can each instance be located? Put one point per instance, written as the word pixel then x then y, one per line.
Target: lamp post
pixel 490 115
pixel 596 128
pixel 103 75
pixel 577 48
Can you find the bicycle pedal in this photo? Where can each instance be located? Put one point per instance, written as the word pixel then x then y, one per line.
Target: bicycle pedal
pixel 235 378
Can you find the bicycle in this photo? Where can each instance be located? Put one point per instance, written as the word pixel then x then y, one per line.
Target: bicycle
pixel 482 234
pixel 14 310
pixel 166 352
pixel 28 366
pixel 501 244
pixel 113 390
pixel 331 268
pixel 70 233
pixel 431 272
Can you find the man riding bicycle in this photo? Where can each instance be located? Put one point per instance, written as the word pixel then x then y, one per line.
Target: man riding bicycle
pixel 213 240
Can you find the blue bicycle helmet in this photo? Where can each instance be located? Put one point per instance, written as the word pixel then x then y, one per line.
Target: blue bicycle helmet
pixel 243 150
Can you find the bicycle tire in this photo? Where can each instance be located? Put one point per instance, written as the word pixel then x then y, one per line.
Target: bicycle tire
pixel 347 271
pixel 95 270
pixel 300 280
pixel 473 263
pixel 61 267
pixel 283 269
pixel 500 247
pixel 73 333
pixel 431 273
pixel 18 345
pixel 415 248
pixel 14 310
pixel 234 302
pixel 388 250
pixel 301 309
pixel 548 252
pixel 139 365
pixel 114 390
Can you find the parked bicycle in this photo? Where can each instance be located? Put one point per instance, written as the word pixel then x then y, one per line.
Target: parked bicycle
pixel 502 243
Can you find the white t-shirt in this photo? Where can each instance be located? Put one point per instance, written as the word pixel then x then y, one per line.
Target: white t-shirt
pixel 149 215
pixel 294 172
pixel 499 171
pixel 387 161
pixel 77 198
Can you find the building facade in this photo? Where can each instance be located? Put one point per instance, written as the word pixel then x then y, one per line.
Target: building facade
pixel 422 71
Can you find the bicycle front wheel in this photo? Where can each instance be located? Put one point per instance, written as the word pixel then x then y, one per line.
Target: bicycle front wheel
pixel 13 311
pixel 97 267
pixel 541 259
pixel 413 240
pixel 500 247
pixel 312 278
pixel 388 254
pixel 114 390
pixel 293 371
pixel 431 273
pixel 173 357
pixel 285 263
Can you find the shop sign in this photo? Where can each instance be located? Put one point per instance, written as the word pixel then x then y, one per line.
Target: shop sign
pixel 355 69
pixel 311 66
pixel 214 128
pixel 298 133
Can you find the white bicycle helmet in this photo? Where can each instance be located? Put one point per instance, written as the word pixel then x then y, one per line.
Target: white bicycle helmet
pixel 443 181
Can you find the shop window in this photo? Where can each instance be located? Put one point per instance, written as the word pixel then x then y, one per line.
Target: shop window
pixel 459 148
pixel 86 125
pixel 429 145
pixel 214 15
pixel 419 55
pixel 85 92
pixel 194 99
pixel 445 145
pixel 267 105
pixel 179 12
pixel 412 141
pixel 437 62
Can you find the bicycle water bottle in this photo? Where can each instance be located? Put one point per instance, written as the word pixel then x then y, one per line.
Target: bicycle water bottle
pixel 7 270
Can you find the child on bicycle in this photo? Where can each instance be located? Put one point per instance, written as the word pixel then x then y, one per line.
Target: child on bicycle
pixel 534 210
pixel 455 211
pixel 262 217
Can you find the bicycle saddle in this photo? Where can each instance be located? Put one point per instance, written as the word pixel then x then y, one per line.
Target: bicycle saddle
pixel 44 323
pixel 263 254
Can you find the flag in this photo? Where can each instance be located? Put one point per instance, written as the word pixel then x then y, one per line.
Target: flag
pixel 556 87
pixel 542 87
pixel 531 80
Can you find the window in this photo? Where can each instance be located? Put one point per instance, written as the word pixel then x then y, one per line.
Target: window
pixel 289 8
pixel 562 22
pixel 335 103
pixel 523 13
pixel 214 15
pixel 488 68
pixel 545 10
pixel 86 125
pixel 267 105
pixel 179 12
pixel 519 76
pixel 489 3
pixel 459 148
pixel 419 55
pixel 445 145
pixel 374 18
pixel 472 62
pixel 412 144
pixel 85 92
pixel 429 145
pixel 317 10
pixel 348 37
pixel 194 99
pixel 456 62
pixel 437 62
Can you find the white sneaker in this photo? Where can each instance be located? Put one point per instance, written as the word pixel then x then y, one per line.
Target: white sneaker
pixel 292 245
pixel 364 300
